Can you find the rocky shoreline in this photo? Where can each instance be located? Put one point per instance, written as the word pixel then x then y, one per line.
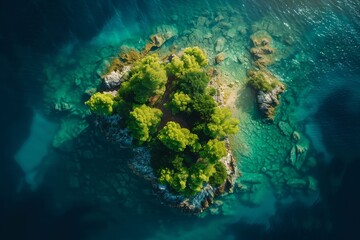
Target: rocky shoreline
pixel 140 164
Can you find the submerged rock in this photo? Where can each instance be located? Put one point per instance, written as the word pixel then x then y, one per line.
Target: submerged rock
pixel 262 50
pixel 219 45
pixel 220 57
pixel 285 128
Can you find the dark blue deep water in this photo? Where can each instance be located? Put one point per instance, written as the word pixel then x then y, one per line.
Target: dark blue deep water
pixel 323 77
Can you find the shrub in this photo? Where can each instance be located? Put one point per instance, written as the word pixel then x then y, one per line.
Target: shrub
pixel 176 138
pixel 204 106
pixel 180 102
pixel 219 176
pixel 213 150
pixel 193 82
pixel 199 174
pixel 143 122
pixel 101 103
pixel 222 124
pixel 147 78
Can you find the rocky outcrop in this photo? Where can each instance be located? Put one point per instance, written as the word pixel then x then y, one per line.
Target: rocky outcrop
pixel 115 78
pixel 163 34
pixel 262 51
pixel 267 101
pixel 268 89
pixel 141 166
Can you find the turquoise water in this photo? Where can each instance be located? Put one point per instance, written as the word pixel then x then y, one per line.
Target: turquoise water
pixel 72 184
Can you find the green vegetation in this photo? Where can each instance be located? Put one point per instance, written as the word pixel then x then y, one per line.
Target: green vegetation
pixel 143 121
pixel 180 102
pixel 222 124
pixel 176 138
pixel 219 176
pixel 213 150
pixel 101 104
pixel 261 81
pixel 146 79
pixel 170 107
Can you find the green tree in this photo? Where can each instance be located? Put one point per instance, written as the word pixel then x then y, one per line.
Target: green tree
pixel 213 150
pixel 193 82
pixel 143 122
pixel 175 67
pixel 175 178
pixel 147 78
pixel 199 174
pixel 204 106
pixel 180 102
pixel 176 138
pixel 222 124
pixel 101 103
pixel 219 176
pixel 194 57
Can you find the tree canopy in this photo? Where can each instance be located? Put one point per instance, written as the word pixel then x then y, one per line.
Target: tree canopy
pixel 101 103
pixel 213 150
pixel 180 102
pixel 176 138
pixel 222 124
pixel 143 122
pixel 147 78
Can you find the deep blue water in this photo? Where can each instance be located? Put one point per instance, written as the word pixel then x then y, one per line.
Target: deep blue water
pixel 33 33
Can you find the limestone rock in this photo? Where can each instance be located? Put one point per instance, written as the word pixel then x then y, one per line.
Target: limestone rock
pixel 262 50
pixel 115 78
pixel 219 45
pixel 220 57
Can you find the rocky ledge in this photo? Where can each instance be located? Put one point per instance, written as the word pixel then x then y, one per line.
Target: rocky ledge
pixel 268 90
pixel 140 164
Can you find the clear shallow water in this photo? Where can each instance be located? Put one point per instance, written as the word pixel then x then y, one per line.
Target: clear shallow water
pixel 57 49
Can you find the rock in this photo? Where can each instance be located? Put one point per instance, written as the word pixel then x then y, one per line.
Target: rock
pixel 219 45
pixel 252 178
pixel 292 157
pixel 297 183
pixel 231 33
pixel 158 40
pixel 90 91
pixel 220 57
pixel 115 78
pixel 295 136
pixel 214 211
pixel 285 128
pixel 262 51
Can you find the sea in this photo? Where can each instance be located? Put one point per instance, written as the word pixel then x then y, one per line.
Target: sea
pixel 299 174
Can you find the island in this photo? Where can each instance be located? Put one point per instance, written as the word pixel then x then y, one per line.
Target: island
pixel 170 112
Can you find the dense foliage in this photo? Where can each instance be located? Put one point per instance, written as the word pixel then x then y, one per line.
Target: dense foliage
pixel 143 122
pixel 222 124
pixel 146 78
pixel 169 106
pixel 213 150
pixel 176 138
pixel 101 103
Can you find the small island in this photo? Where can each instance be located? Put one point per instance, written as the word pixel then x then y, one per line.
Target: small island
pixel 168 111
